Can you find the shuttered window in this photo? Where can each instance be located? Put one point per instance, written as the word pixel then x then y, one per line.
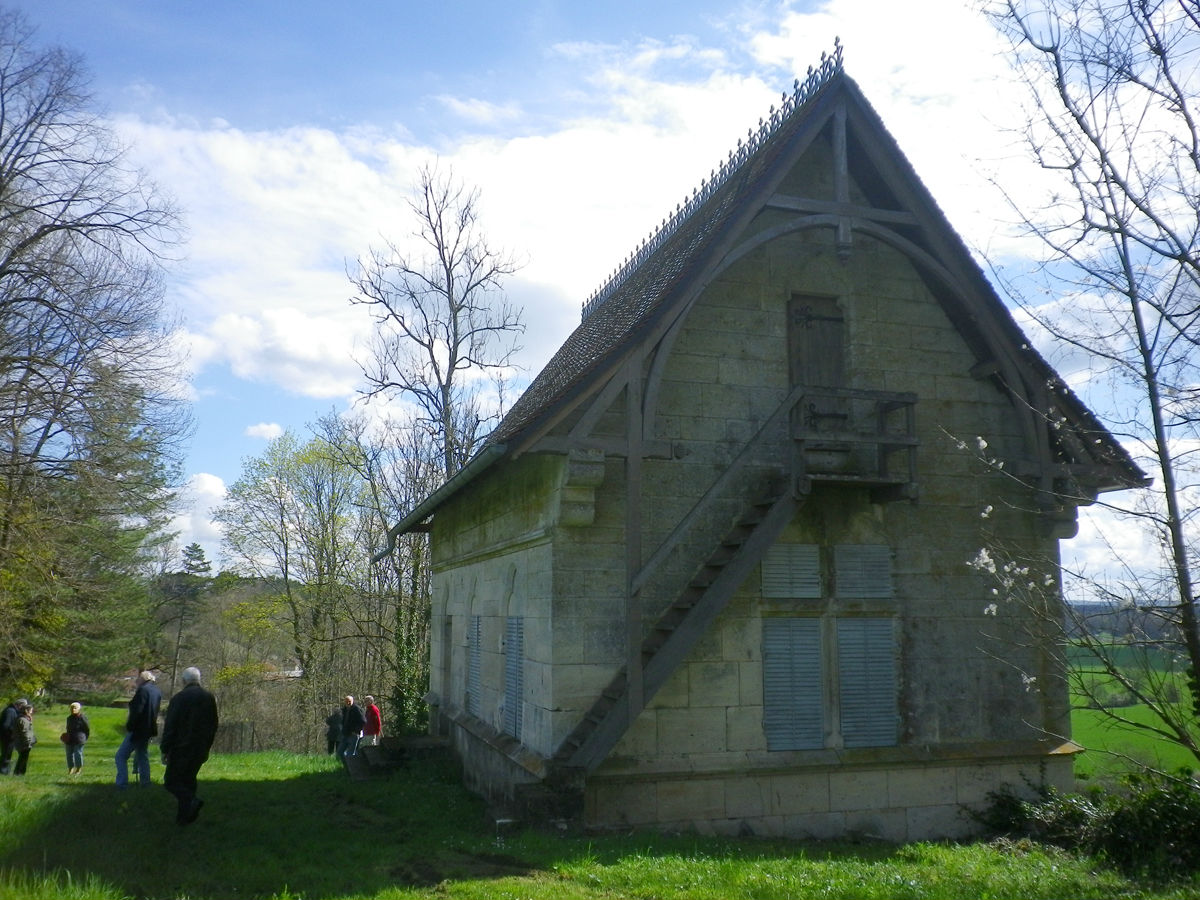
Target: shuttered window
pixel 474 635
pixel 800 657
pixel 866 655
pixel 514 674
pixel 792 571
pixel 793 692
pixel 862 571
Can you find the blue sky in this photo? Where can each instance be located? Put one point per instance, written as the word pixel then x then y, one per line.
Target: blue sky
pixel 291 132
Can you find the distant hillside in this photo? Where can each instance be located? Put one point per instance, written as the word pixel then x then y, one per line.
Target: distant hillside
pixel 1145 623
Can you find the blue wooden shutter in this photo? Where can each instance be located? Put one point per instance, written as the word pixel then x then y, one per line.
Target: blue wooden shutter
pixel 792 572
pixel 792 684
pixel 474 636
pixel 867 682
pixel 514 674
pixel 863 571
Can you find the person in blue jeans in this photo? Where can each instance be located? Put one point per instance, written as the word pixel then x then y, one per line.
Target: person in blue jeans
pixel 140 726
pixel 77 733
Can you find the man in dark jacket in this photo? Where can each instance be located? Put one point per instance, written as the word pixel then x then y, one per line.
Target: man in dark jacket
pixel 187 737
pixel 353 720
pixel 141 724
pixel 8 732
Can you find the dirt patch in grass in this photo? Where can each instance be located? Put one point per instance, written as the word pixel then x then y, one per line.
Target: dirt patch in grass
pixel 458 865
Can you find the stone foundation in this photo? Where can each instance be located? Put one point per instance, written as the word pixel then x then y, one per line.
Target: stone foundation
pixel 896 802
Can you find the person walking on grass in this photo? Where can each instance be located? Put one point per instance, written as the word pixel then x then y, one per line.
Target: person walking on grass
pixel 353 721
pixel 8 732
pixel 187 737
pixel 25 739
pixel 140 726
pixel 76 735
pixel 374 726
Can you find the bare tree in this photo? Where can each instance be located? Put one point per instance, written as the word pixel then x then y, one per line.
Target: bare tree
pixel 1113 86
pixel 442 318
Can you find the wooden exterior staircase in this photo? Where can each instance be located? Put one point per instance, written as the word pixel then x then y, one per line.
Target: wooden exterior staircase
pixel 675 632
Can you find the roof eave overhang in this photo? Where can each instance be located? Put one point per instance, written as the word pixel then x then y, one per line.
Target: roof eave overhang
pixel 415 520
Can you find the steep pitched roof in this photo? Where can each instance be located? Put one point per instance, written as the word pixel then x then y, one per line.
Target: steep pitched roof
pixel 665 266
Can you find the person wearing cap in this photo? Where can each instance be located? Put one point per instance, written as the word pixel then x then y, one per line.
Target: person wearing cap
pixel 188 734
pixel 8 732
pixel 76 735
pixel 141 724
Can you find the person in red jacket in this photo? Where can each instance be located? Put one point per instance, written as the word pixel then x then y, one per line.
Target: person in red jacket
pixel 374 727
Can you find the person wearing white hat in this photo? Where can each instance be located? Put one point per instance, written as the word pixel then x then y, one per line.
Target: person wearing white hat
pixel 76 735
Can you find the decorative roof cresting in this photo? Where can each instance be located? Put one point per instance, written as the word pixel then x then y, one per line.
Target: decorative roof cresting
pixel 830 65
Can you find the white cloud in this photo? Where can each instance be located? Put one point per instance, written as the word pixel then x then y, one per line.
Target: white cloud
pixel 194 523
pixel 481 112
pixel 268 431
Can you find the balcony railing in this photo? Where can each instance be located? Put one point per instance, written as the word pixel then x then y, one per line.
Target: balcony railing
pixel 846 436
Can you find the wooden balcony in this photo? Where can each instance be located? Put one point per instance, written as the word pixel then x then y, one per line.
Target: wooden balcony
pixel 856 437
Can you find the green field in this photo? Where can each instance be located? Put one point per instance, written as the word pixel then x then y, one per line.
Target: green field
pixel 1112 749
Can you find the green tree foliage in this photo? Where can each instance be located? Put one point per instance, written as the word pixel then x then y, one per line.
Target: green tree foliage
pixel 179 598
pixel 195 563
pixel 88 420
pixel 295 519
pixel 305 616
pixel 399 464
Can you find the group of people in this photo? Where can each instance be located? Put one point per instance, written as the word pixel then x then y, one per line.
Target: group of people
pixel 350 726
pixel 17 736
pixel 187 736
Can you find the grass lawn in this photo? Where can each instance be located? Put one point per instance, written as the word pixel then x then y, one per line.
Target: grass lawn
pixel 288 826
pixel 1111 748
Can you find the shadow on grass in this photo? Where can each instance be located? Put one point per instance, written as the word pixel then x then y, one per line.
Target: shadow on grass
pixel 315 835
pixel 266 832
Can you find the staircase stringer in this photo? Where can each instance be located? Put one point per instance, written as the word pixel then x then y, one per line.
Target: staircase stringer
pixel 676 632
